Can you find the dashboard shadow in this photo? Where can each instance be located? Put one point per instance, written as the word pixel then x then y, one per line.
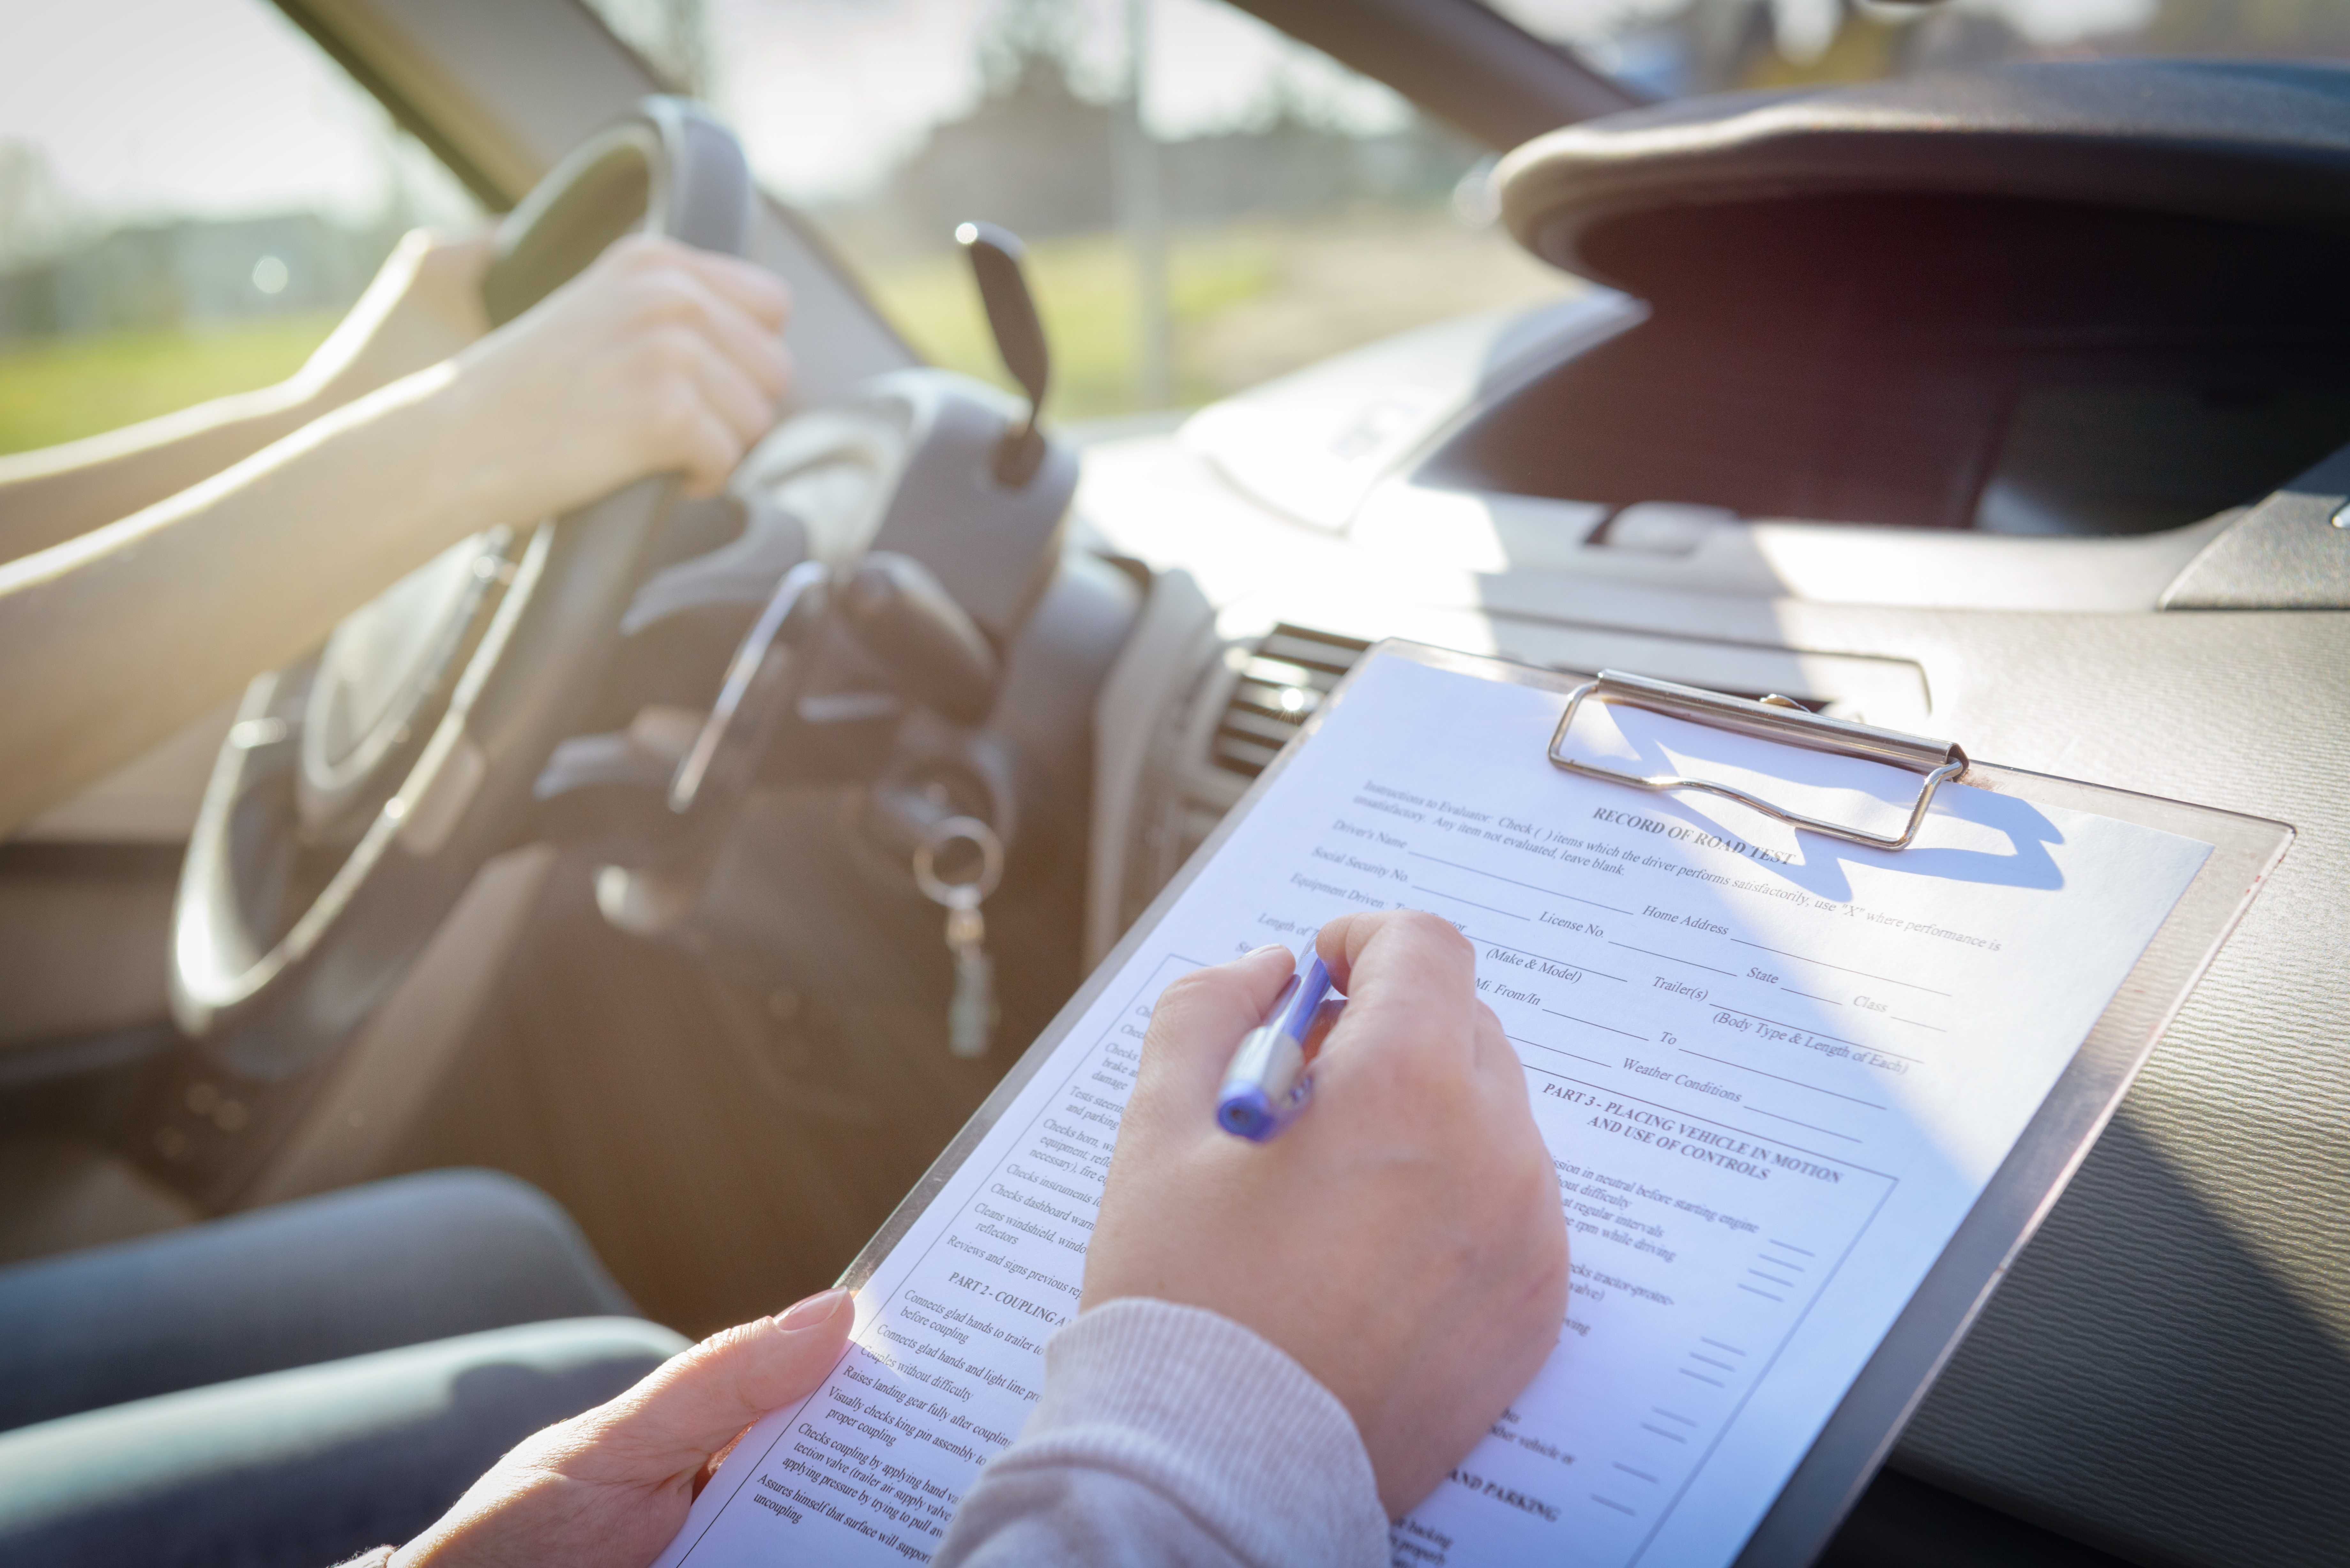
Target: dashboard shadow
pixel 2135 1270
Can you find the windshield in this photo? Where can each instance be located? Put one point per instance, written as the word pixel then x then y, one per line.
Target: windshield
pixel 1672 49
pixel 1266 209
pixel 1209 202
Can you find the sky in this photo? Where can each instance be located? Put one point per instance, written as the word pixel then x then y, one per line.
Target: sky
pixel 143 108
pixel 216 107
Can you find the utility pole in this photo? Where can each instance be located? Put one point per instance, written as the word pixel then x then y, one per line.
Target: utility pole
pixel 1146 222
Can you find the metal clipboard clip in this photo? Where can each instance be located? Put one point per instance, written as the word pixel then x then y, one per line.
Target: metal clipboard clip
pixel 1774 718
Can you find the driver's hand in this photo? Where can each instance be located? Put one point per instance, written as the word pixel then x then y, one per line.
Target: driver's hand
pixel 1402 1240
pixel 609 1489
pixel 424 304
pixel 657 358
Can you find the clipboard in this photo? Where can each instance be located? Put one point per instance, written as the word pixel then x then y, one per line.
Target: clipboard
pixel 1860 1433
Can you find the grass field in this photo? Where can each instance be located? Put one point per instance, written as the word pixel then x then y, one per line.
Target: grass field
pixel 58 390
pixel 1248 300
pixel 1085 289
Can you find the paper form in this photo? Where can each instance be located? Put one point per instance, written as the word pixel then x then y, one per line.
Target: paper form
pixel 1774 1071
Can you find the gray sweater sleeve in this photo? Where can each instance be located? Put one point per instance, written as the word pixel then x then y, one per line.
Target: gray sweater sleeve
pixel 1169 1435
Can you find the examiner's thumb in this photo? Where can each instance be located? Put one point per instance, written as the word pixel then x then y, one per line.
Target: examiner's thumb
pixel 700 1399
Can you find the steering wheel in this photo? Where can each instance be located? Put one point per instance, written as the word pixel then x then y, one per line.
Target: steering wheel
pixel 357 793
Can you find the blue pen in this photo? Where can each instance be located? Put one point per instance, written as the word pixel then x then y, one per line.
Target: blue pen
pixel 1267 1083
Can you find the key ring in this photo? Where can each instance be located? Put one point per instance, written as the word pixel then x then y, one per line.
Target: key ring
pixel 941 833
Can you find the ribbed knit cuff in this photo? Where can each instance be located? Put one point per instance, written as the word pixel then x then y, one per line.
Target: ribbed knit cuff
pixel 1218 1420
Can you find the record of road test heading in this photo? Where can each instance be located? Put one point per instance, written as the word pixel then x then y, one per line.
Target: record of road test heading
pixel 1807 1088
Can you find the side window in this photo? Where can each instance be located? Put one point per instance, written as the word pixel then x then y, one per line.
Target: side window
pixel 192 193
pixel 1269 208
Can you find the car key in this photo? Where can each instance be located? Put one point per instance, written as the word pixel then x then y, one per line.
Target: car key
pixel 971 1015
pixel 971 1011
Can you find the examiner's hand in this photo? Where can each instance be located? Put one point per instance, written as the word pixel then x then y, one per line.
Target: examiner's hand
pixel 1402 1240
pixel 657 358
pixel 609 1489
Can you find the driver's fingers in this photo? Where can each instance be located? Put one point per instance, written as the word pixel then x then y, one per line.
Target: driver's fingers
pixel 739 307
pixel 748 410
pixel 752 290
pixel 658 284
pixel 752 347
pixel 752 342
pixel 691 438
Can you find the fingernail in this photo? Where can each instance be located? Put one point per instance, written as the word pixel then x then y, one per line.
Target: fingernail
pixel 1268 948
pixel 817 1309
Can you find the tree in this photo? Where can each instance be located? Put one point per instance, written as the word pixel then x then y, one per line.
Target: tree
pixel 1029 39
pixel 37 219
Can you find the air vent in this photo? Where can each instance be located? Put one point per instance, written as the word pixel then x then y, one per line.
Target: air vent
pixel 1279 689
